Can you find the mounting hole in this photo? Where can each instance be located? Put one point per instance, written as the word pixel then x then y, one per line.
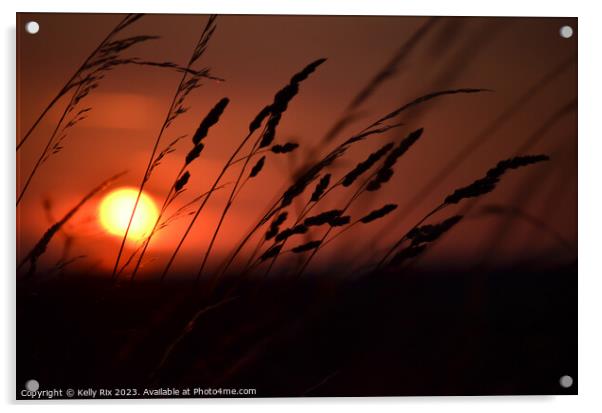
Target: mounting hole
pixel 566 32
pixel 32 27
pixel 566 381
pixel 32 385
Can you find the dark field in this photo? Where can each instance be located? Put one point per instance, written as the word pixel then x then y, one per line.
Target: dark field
pixel 412 333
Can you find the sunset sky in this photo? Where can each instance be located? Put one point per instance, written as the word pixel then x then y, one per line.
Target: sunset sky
pixel 256 56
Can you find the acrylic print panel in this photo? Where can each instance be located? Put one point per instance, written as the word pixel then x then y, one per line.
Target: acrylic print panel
pixel 295 206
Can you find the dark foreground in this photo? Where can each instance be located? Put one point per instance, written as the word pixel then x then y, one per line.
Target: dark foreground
pixel 422 333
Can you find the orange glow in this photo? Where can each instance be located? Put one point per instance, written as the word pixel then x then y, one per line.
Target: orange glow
pixel 116 209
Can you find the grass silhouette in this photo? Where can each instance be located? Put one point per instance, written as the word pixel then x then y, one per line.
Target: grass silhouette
pixel 316 205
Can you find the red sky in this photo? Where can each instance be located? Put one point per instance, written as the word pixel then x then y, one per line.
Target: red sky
pixel 256 55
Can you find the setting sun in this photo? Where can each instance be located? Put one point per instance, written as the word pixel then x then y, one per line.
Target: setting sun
pixel 116 208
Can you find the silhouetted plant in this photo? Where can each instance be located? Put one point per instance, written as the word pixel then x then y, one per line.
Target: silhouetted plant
pixel 106 57
pixel 183 175
pixel 257 168
pixel 286 148
pixel 181 181
pixel 185 87
pixel 363 166
pixel 275 226
pixel 478 188
pixel 320 188
pixel 483 137
pixel 370 217
pixel 322 218
pixel 312 172
pixel 378 213
pixel 208 121
pixel 289 232
pixel 40 248
pixel 421 236
pixel 162 223
pixel 271 252
pixel 340 221
pixel 491 179
pixel 386 73
pixel 273 112
pixel 386 171
pixel 312 245
pixel 369 175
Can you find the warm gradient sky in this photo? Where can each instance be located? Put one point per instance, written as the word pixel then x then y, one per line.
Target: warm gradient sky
pixel 256 55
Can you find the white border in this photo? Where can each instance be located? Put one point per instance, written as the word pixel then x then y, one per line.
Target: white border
pixel 590 205
pixel 349 7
